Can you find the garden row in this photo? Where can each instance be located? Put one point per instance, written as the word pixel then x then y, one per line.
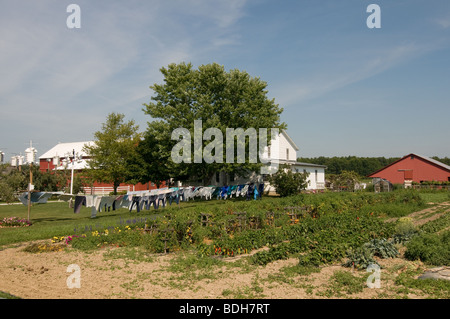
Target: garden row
pixel 320 228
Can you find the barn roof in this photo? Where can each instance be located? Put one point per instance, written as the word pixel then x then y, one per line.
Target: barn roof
pixel 426 158
pixel 61 149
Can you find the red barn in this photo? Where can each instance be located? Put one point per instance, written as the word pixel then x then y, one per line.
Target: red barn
pixel 415 168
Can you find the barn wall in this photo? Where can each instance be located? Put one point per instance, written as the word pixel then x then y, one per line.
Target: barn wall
pixel 420 169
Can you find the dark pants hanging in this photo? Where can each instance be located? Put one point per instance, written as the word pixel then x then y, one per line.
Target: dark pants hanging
pixel 162 198
pixel 153 199
pixel 135 201
pixel 250 191
pixel 79 201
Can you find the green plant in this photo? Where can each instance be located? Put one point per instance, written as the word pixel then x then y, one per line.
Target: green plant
pixel 359 258
pixel 344 283
pixel 404 230
pixel 430 248
pixel 278 252
pixel 435 288
pixel 287 182
pixel 382 248
pixel 436 225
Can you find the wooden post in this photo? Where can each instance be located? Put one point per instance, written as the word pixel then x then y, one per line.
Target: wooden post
pixel 29 191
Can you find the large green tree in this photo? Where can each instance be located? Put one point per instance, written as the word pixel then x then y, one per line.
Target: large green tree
pixel 113 146
pixel 219 99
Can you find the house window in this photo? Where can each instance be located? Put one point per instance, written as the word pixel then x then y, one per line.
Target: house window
pixel 315 175
pixel 287 154
pixel 217 177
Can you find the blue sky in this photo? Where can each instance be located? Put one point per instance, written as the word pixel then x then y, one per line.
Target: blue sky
pixel 345 89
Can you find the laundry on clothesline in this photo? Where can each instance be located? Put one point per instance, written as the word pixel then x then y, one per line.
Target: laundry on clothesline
pixel 37 197
pixel 141 200
pixel 159 198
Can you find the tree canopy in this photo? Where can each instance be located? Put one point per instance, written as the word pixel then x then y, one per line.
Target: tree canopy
pixel 219 99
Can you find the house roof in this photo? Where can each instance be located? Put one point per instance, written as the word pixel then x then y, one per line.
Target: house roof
pixel 61 149
pixel 298 163
pixel 289 139
pixel 426 158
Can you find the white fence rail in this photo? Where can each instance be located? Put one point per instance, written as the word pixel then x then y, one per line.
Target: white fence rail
pixel 105 190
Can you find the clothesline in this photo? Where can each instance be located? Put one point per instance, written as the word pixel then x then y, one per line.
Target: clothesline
pixel 37 197
pixel 140 200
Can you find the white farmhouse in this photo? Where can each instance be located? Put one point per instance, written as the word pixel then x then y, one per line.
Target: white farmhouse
pixel 282 150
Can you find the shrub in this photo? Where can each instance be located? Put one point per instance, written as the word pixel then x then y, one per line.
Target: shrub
pixel 430 248
pixel 404 230
pixel 287 182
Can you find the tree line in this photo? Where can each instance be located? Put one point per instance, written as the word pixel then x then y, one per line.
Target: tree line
pixel 363 166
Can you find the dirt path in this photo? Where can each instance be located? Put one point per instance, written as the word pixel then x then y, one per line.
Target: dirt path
pixel 44 276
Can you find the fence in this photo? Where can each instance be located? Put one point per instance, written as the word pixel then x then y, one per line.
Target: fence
pixel 437 186
pixel 105 190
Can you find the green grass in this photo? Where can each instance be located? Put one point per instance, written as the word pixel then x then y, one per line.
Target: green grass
pixel 344 284
pixel 407 283
pixel 57 219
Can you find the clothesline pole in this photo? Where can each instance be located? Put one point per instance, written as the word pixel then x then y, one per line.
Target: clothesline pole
pixel 71 178
pixel 29 191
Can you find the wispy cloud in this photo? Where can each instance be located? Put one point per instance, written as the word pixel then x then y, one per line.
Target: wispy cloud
pixel 443 22
pixel 53 74
pixel 356 66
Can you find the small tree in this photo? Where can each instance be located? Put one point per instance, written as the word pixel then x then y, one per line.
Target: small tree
pixel 113 146
pixel 287 182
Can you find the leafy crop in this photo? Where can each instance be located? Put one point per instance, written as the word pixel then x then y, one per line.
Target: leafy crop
pixel 430 248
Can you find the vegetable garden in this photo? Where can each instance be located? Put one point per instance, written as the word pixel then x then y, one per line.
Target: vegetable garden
pixel 306 235
pixel 319 229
